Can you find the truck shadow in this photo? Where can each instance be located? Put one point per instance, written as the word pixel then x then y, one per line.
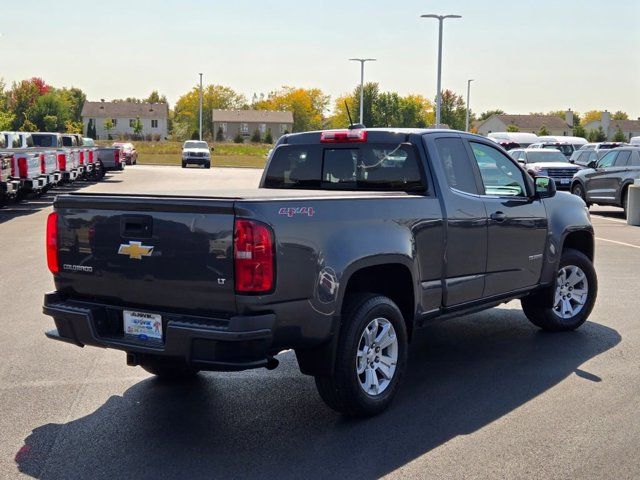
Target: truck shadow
pixel 35 203
pixel 463 374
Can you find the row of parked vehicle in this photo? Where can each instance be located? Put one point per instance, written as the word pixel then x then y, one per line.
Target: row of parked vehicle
pixel 32 163
pixel 599 173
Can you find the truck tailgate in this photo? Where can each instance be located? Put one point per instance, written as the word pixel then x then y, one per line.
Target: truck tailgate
pixel 147 252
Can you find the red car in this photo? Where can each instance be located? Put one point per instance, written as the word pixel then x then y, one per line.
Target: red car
pixel 128 152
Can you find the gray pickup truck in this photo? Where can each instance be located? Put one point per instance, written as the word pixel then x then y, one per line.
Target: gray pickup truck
pixel 354 240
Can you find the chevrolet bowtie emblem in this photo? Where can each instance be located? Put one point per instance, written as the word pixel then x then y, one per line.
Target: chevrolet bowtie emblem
pixel 135 250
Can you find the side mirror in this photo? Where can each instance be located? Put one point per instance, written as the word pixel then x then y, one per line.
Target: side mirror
pixel 545 187
pixel 592 164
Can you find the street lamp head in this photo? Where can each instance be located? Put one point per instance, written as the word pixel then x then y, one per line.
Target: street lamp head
pixel 440 17
pixel 362 59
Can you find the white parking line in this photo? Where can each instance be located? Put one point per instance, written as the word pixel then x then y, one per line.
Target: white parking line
pixel 610 219
pixel 619 243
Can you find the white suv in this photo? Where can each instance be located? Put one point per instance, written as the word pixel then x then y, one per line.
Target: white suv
pixel 196 151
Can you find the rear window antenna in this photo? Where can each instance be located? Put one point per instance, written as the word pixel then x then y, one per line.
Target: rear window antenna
pixel 352 126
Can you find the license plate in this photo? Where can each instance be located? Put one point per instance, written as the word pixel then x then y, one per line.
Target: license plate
pixel 142 325
pixel 565 181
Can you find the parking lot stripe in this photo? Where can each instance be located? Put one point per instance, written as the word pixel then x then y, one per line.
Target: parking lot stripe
pixel 619 243
pixel 610 219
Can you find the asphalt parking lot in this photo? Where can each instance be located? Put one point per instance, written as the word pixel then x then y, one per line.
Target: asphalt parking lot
pixel 485 396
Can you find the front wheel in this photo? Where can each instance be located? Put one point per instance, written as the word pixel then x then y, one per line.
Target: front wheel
pixel 370 360
pixel 578 191
pixel 575 294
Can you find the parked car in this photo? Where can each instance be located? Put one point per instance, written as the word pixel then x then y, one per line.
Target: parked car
pixel 74 143
pixel 196 151
pixel 584 157
pixel 129 154
pixel 8 186
pixel 576 142
pixel 565 148
pixel 634 141
pixel 18 139
pixel 355 239
pixel 509 140
pixel 27 168
pixel 48 158
pixel 547 162
pixel 607 180
pixel 601 145
pixel 94 169
pixel 68 158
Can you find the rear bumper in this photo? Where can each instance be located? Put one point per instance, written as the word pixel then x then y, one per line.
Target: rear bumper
pixel 236 343
pixel 69 176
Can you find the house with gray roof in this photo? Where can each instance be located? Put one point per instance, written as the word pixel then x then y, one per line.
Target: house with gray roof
pixel 630 128
pixel 123 115
pixel 554 124
pixel 227 124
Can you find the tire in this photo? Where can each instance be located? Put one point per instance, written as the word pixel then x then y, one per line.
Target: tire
pixel 576 268
pixel 207 165
pixel 344 391
pixel 184 165
pixel 578 191
pixel 170 370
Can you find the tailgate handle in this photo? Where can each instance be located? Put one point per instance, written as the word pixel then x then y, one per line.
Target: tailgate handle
pixel 136 226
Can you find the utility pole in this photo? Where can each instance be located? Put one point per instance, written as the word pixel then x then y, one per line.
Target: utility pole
pixel 362 62
pixel 441 19
pixel 468 106
pixel 200 131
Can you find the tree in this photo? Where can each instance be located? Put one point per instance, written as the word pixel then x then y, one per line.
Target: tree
pixel 214 97
pixel 452 110
pixel 155 97
pixel 108 126
pixel 592 135
pixel 543 131
pixel 307 104
pixel 220 135
pixel 512 128
pixel 75 99
pixel 238 138
pixel 28 126
pixel 137 126
pixel 619 136
pixel 6 120
pixel 91 129
pixel 268 138
pixel 590 116
pixel 255 138
pixel 579 131
pixel 620 115
pixel 22 97
pixel 601 136
pixel 52 106
pixel 489 113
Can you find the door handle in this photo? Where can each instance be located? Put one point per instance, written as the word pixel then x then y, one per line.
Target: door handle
pixel 498 216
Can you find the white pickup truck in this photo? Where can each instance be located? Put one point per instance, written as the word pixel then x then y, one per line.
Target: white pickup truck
pixel 196 151
pixel 68 158
pixel 48 157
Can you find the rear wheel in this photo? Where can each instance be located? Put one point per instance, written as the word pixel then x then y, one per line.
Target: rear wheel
pixel 184 164
pixel 169 369
pixel 575 294
pixel 370 359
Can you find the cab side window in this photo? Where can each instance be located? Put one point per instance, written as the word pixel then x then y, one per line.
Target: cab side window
pixel 457 165
pixel 607 160
pixel 635 160
pixel 623 158
pixel 500 175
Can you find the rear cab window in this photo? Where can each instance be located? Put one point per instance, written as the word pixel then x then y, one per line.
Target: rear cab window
pixel 354 166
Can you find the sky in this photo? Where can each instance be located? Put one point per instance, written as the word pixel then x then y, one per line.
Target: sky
pixel 523 55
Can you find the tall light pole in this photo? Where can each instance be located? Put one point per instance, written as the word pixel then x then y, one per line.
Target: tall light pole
pixel 200 131
pixel 441 19
pixel 468 106
pixel 362 62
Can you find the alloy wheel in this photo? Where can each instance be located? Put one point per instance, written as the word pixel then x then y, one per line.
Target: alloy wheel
pixel 377 356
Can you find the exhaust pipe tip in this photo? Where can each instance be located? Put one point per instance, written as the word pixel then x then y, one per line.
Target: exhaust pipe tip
pixel 272 363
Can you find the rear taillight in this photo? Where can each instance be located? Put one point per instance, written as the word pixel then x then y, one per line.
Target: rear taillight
pixel 23 171
pixel 116 156
pixel 13 167
pixel 62 162
pixel 90 156
pixel 52 242
pixel 81 157
pixel 43 168
pixel 343 136
pixel 253 257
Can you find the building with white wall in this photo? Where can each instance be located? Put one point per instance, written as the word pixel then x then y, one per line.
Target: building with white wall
pixel 153 116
